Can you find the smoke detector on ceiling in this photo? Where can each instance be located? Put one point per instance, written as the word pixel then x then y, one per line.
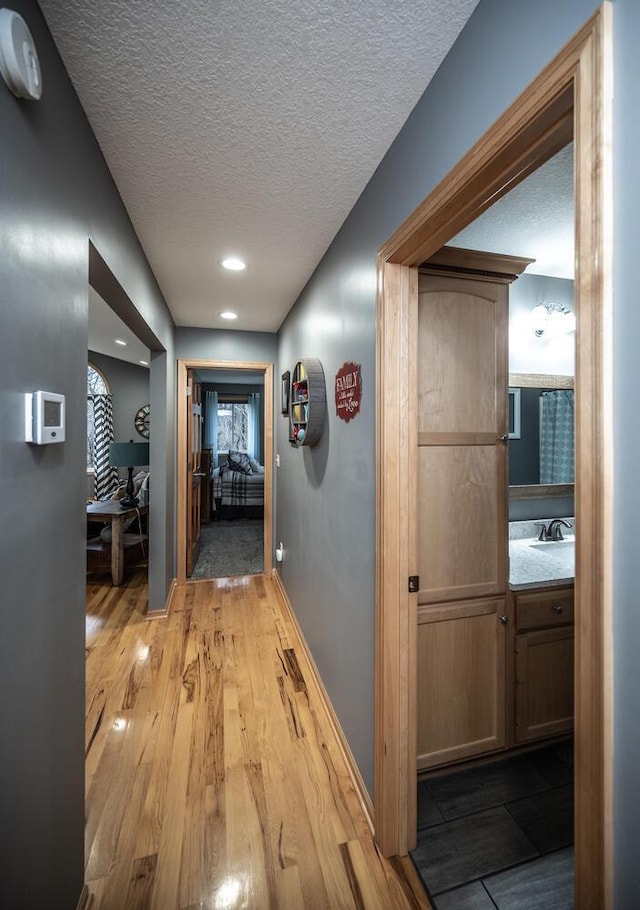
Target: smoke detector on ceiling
pixel 19 62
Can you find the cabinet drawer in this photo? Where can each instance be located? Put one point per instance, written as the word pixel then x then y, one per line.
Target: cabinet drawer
pixel 544 609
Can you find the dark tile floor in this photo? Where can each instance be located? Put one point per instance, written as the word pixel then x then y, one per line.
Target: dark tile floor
pixel 500 835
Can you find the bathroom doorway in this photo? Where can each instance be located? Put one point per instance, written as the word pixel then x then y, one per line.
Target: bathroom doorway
pixel 571 98
pixel 495 651
pixel 226 497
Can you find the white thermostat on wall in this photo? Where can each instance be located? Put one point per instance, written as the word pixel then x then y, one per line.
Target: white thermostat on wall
pixel 43 417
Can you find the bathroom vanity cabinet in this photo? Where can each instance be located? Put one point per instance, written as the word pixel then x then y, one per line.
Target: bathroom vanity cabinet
pixel 493 673
pixel 543 663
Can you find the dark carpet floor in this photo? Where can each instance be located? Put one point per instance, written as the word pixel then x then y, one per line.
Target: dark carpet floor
pixel 230 548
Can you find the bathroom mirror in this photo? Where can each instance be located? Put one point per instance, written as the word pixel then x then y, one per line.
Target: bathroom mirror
pixel 545 404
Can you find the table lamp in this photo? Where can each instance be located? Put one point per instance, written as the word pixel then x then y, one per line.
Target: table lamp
pixel 127 455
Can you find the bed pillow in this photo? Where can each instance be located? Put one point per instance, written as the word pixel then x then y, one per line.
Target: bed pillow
pixel 256 467
pixel 239 461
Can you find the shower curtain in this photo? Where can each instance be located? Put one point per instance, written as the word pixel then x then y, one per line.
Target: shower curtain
pixel 556 437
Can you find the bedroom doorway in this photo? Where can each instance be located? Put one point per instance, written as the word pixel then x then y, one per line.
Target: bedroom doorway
pixel 225 453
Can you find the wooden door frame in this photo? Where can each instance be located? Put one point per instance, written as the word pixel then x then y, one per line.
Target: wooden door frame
pixel 571 98
pixel 181 469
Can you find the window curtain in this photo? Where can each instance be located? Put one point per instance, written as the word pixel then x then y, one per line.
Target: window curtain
pixel 253 433
pixel 210 440
pixel 106 477
pixel 556 437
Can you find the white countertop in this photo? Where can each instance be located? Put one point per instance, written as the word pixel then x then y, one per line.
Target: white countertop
pixel 537 565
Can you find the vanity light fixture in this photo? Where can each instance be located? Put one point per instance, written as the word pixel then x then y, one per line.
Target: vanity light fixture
pixel 234 264
pixel 227 314
pixel 552 320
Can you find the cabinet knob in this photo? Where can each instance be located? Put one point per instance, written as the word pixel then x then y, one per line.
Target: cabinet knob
pixel 558 608
pixel 503 619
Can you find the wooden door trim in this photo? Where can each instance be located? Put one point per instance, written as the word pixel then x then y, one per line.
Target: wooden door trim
pixel 181 468
pixel 572 97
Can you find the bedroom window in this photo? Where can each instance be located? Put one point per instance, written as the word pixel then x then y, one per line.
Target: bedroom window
pixel 96 385
pixel 233 426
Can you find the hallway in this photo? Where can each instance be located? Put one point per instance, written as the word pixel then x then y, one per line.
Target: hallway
pixel 212 777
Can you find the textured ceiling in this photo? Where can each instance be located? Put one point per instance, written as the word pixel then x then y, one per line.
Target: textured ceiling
pixel 535 219
pixel 246 127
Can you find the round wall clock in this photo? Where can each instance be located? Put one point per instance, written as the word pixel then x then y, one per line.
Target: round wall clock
pixel 141 420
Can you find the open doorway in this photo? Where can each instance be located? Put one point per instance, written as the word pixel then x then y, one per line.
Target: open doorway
pixel 570 98
pixel 225 453
pixel 495 652
pixel 226 492
pixel 118 412
pixel 160 558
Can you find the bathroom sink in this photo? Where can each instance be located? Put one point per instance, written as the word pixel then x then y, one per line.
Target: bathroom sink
pixel 552 546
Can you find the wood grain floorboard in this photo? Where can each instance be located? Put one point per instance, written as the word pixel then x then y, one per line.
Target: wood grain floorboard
pixel 213 779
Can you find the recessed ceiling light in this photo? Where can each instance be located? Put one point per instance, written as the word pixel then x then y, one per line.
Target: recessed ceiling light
pixel 119 341
pixel 233 264
pixel 229 315
pixel 145 363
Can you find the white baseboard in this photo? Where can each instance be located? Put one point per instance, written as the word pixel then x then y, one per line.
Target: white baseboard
pixel 354 771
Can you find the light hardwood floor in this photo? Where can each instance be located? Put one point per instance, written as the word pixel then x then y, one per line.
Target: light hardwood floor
pixel 212 779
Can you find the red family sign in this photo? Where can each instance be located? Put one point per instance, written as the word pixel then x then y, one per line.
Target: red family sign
pixel 348 391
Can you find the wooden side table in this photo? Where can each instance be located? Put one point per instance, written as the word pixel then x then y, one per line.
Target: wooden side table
pixel 112 512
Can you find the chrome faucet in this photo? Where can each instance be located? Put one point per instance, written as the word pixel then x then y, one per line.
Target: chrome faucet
pixel 553 531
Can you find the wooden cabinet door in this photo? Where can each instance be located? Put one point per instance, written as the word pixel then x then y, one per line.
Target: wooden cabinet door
pixel 194 471
pixel 462 324
pixel 461 680
pixel 544 683
pixel 462 427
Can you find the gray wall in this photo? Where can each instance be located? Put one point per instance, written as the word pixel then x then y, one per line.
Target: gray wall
pixel 533 509
pixel 56 194
pixel 129 384
pixel 225 344
pixel 626 393
pixel 326 496
pixel 527 353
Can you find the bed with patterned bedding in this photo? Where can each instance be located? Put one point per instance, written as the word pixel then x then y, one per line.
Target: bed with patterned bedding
pixel 236 488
